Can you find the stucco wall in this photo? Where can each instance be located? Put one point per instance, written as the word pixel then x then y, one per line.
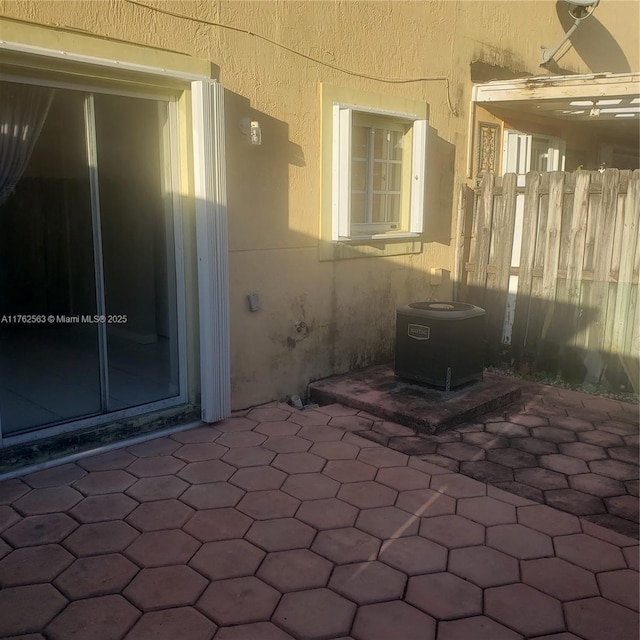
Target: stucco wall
pixel 320 317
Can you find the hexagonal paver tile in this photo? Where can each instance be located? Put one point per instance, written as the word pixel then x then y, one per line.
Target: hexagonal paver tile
pixel 403 478
pixel 487 511
pixel 478 628
pixel 553 434
pixel 367 494
pixel 233 439
pixel 279 428
pixel 107 617
pixel 287 444
pixel 280 534
pixel 155 466
pixel 55 476
pixel 541 478
pixel 165 587
pixel 457 486
pixel 161 548
pixel 295 570
pixel 101 482
pixel 508 429
pixel 163 514
pixel 620 587
pixel 589 552
pixel 218 524
pixel 33 564
pixel 601 438
pixel 392 620
pixel 597 618
pixel 154 447
pixel 519 541
pixel 388 522
pixel 100 537
pixel 534 446
pixel 239 601
pixel 542 614
pixel 414 555
pixel 335 450
pixel 183 622
pixel 349 470
pixel 368 582
pixel 49 500
pixel 200 452
pixel 212 495
pixel 563 464
pixel 96 576
pixel 320 433
pixel 157 488
pixel 351 423
pixel 113 506
pixel 302 462
pixel 583 450
pixel 483 566
pixel 346 545
pixel 227 559
pixel 548 520
pixel 36 530
pixel 118 459
pixel 426 503
pixel 571 422
pixel 512 458
pixel 444 596
pixel 596 485
pixel 8 517
pixel 628 453
pixel 310 418
pixel 317 613
pixel 382 457
pixel 262 630
pixel 485 440
pixel 461 451
pixel 575 502
pixel 310 486
pixel 486 471
pixel 329 513
pixel 507 497
pixel 206 472
pixel 623 506
pixel 614 469
pixel 11 490
pixel 559 578
pixel 28 608
pixel 632 557
pixel 264 505
pixel 268 414
pixel 452 531
pixel 236 423
pixel 255 478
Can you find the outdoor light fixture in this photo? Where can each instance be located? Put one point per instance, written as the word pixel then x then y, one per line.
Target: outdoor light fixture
pixel 252 129
pixel 579 10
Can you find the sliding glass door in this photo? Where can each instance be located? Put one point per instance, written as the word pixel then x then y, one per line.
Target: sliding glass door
pixel 88 286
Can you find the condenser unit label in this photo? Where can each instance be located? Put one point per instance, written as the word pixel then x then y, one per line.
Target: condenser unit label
pixel 418 332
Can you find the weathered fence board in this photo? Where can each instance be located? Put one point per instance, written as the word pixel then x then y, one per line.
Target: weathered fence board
pixel 575 253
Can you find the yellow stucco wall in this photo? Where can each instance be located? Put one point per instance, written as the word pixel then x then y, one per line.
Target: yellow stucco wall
pixel 347 307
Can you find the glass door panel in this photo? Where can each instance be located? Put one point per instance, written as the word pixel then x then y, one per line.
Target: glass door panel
pixel 137 251
pixel 49 365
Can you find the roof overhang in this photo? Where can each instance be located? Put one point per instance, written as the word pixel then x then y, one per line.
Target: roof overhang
pixel 595 97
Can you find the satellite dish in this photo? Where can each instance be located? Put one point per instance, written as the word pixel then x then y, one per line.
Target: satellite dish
pixel 578 10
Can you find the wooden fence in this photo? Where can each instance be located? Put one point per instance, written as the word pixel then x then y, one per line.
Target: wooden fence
pixel 554 259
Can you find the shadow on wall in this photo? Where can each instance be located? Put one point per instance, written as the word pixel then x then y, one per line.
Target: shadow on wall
pixel 555 339
pixel 594 43
pixel 441 157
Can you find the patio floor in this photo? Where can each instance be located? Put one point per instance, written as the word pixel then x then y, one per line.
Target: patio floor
pixel 280 524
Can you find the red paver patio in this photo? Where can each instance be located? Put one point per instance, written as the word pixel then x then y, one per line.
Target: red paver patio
pixel 283 524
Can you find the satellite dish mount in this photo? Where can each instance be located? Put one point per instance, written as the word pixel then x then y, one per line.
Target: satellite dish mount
pixel 579 10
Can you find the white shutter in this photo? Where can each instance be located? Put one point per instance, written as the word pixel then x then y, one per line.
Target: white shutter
pixel 516 152
pixel 209 164
pixel 341 173
pixel 418 175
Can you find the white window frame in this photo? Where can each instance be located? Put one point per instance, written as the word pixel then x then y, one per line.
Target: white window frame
pixel 342 228
pixel 517 149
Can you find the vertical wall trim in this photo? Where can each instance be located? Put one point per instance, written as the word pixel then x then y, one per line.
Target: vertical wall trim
pixel 211 227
